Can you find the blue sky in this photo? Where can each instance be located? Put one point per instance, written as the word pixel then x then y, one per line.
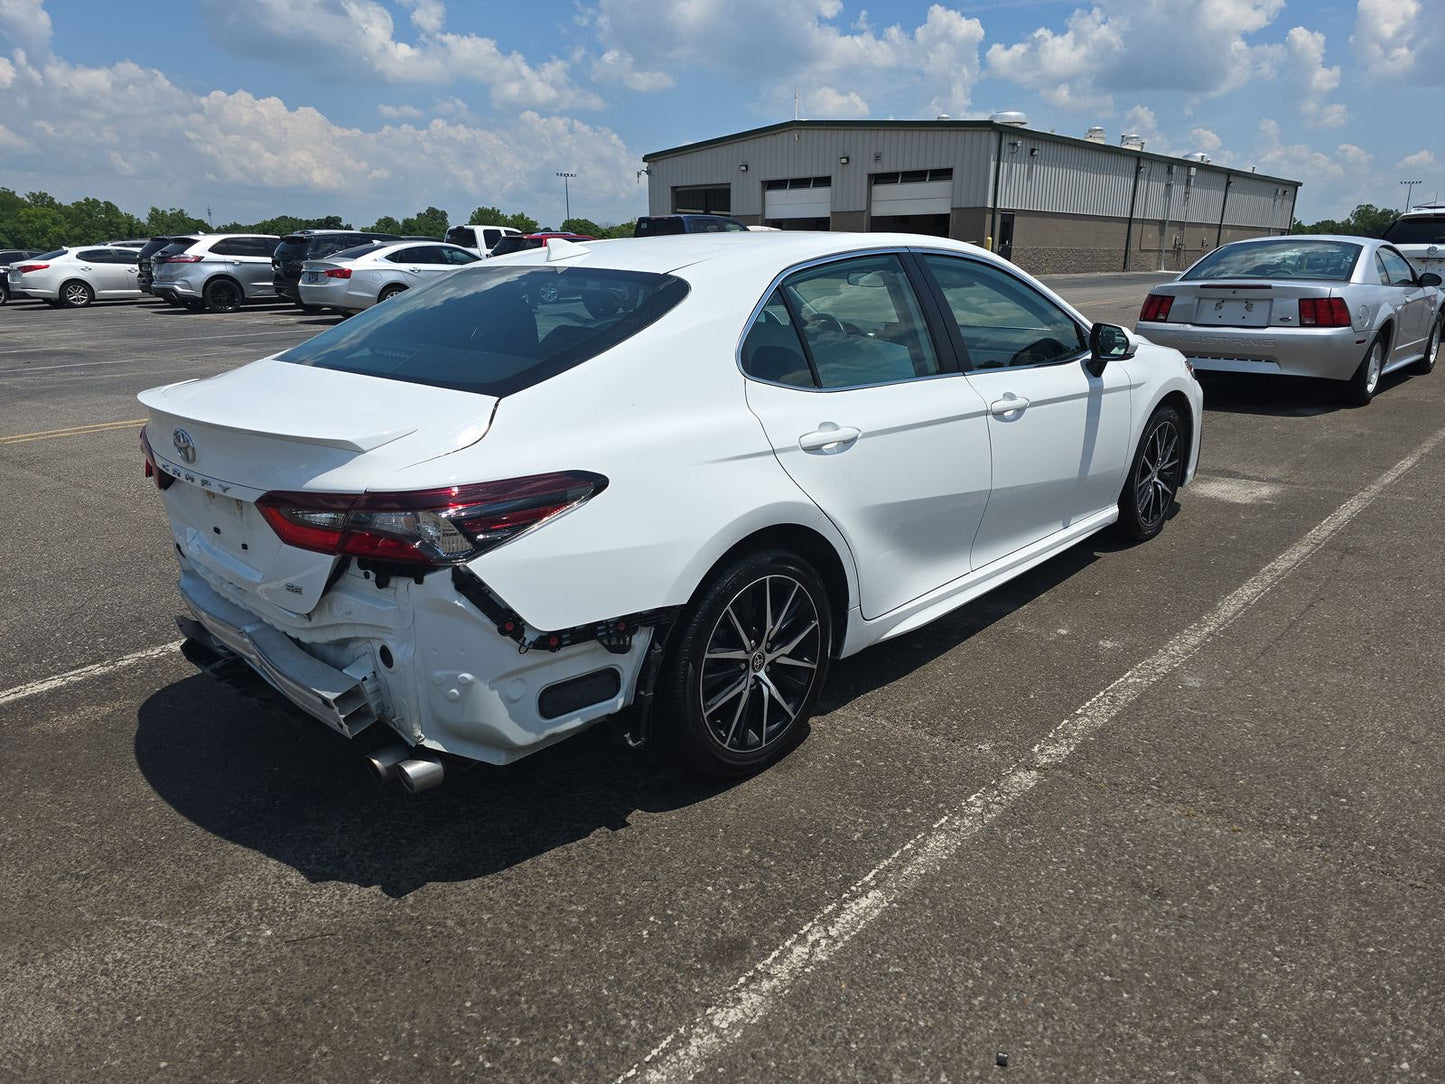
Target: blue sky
pixel 370 107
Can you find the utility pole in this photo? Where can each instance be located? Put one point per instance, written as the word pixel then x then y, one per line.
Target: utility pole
pixel 1409 187
pixel 566 193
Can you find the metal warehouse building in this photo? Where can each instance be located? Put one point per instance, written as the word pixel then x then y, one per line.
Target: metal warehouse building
pixel 1049 202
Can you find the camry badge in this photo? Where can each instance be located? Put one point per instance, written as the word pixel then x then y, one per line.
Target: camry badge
pixel 185 446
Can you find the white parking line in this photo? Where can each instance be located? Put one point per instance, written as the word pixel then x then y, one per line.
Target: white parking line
pixel 85 673
pixel 686 1052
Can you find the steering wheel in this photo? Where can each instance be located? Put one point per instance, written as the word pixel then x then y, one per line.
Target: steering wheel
pixel 1039 350
pixel 827 320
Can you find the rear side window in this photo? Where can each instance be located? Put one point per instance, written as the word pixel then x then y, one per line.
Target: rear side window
pixel 654 227
pixel 480 330
pixel 461 235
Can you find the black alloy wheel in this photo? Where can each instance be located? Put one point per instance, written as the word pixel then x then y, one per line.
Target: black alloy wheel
pixel 1154 476
pixel 76 294
pixel 223 295
pixel 746 665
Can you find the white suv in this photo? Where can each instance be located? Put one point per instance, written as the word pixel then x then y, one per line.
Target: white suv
pixel 1420 237
pixel 479 239
pixel 217 271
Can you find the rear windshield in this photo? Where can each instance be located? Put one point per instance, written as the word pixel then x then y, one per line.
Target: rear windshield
pixel 461 235
pixel 488 330
pixel 154 245
pixel 514 243
pixel 177 246
pixel 1318 261
pixel 50 255
pixel 1417 231
pixel 359 250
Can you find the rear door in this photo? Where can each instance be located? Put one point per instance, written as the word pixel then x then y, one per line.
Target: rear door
pixel 866 412
pixel 99 268
pixel 1059 435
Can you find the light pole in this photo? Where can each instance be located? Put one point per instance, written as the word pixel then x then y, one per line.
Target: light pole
pixel 567 193
pixel 1409 187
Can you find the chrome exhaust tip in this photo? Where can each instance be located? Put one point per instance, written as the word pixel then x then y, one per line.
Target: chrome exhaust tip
pixel 383 762
pixel 421 772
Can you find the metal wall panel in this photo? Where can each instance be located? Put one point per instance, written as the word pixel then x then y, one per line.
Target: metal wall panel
pixel 1040 174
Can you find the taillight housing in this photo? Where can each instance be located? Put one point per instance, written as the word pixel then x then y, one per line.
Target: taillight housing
pixel 1156 307
pixel 181 259
pixel 153 470
pixel 426 527
pixel 26 268
pixel 1323 312
pixel 338 272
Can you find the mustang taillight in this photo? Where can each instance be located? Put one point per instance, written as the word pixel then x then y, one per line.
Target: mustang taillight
pixel 430 526
pixel 162 479
pixel 1156 307
pixel 26 268
pixel 1323 312
pixel 338 273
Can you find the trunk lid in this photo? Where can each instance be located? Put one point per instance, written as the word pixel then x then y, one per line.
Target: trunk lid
pixel 273 425
pixel 1241 304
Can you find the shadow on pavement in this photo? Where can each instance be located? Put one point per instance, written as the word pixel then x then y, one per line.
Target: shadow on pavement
pixel 1280 396
pixel 295 791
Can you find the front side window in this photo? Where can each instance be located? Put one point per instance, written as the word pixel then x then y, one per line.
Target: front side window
pixel 860 322
pixel 1003 321
pixel 482 332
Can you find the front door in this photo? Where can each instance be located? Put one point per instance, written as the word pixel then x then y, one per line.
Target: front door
pixel 863 415
pixel 1059 435
pixel 1005 245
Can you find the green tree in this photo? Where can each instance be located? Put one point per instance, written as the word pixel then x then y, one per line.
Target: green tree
pixel 432 222
pixel 385 224
pixel 488 216
pixel 172 221
pixel 523 222
pixel 582 225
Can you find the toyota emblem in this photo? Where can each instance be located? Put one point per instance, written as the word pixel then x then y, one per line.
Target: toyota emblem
pixel 185 446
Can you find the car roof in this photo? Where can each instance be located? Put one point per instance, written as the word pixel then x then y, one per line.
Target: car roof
pixel 667 254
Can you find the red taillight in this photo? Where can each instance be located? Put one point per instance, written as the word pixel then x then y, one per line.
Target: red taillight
pixel 339 273
pixel 1323 312
pixel 1156 307
pixel 26 268
pixel 181 259
pixel 162 479
pixel 433 526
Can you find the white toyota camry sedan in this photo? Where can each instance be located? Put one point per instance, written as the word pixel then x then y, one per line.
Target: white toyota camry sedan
pixel 665 481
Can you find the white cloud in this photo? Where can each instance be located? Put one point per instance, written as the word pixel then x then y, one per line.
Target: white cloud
pixel 1134 45
pixel 776 45
pixel 1401 39
pixel 356 39
pixel 615 66
pixel 253 157
pixel 400 112
pixel 27 24
pixel 1304 68
pixel 1203 139
pixel 1418 160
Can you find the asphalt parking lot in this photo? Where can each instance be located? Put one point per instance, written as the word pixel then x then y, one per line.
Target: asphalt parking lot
pixel 1157 812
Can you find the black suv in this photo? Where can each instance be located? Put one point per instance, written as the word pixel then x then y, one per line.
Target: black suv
pixel 145 272
pixel 658 225
pixel 296 248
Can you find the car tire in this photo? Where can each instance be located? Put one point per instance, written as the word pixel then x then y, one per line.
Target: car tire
pixel 1361 388
pixel 390 292
pixel 223 295
pixel 735 693
pixel 76 294
pixel 1155 474
pixel 1432 347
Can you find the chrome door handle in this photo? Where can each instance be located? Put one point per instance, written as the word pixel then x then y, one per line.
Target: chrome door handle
pixel 829 438
pixel 1009 404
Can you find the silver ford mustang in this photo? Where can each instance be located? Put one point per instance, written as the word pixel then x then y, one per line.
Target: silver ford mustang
pixel 1348 309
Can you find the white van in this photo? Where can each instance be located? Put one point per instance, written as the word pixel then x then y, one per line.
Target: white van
pixel 478 239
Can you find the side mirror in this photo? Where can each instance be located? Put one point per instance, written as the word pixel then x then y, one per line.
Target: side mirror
pixel 1108 342
pixel 1429 278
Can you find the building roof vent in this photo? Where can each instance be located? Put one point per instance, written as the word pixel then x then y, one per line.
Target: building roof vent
pixel 943 116
pixel 1132 140
pixel 1011 117
pixel 1096 135
pixel 1198 156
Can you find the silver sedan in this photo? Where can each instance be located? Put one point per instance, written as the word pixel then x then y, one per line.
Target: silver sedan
pixel 357 278
pixel 1348 309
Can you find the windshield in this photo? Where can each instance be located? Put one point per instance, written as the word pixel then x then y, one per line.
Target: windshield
pixel 490 331
pixel 1319 261
pixel 1417 231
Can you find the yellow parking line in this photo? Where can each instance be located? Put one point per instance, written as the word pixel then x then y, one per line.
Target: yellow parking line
pixel 72 431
